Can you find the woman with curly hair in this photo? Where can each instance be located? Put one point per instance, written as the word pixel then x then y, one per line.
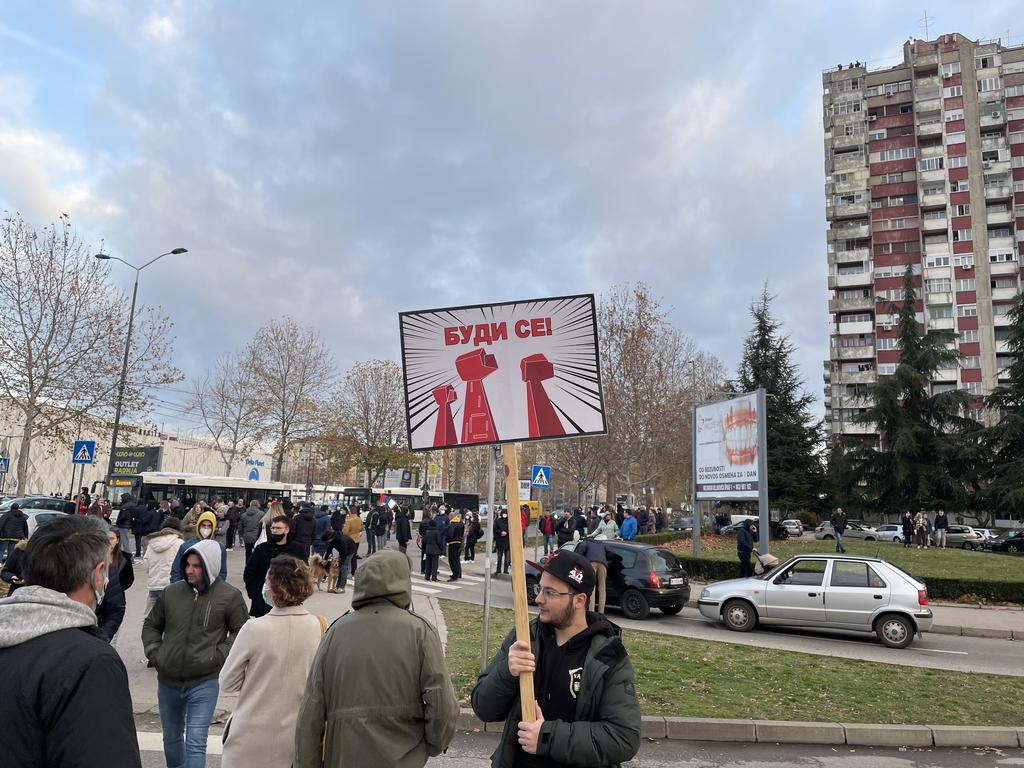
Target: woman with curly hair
pixel 268 666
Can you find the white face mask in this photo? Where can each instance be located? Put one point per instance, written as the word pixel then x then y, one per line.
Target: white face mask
pixel 205 531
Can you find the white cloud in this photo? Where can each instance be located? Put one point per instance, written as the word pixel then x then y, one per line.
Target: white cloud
pixel 161 29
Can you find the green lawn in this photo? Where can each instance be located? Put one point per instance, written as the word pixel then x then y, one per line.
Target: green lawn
pixel 682 677
pixel 923 563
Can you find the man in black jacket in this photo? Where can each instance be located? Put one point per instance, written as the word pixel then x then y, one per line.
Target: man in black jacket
pixel 256 567
pixel 746 536
pixel 565 528
pixel 13 528
pixel 501 543
pixel 454 537
pixel 304 529
pixel 74 709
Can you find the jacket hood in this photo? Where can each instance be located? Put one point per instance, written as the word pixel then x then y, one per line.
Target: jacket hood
pixel 34 611
pixel 209 552
pixel 385 576
pixel 164 539
pixel 208 517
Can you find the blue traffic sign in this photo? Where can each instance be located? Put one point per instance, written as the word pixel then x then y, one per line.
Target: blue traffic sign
pixel 541 476
pixel 83 452
pixel 5 464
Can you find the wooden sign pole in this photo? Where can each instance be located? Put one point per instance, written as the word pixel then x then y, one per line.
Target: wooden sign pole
pixel 515 535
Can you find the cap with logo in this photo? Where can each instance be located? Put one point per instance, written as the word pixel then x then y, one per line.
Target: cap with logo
pixel 573 569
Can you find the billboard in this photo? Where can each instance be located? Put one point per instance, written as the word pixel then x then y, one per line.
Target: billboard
pixel 131 461
pixel 728 443
pixel 502 373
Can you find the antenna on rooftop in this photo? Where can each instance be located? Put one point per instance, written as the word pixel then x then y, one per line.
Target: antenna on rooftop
pixel 926 22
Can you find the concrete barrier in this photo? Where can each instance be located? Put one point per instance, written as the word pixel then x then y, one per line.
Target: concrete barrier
pixel 653 728
pixel 709 729
pixel 974 736
pixel 468 721
pixel 867 735
pixel 795 732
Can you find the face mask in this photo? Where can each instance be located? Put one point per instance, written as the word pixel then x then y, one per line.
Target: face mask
pixel 205 531
pixel 266 595
pixel 277 538
pixel 100 595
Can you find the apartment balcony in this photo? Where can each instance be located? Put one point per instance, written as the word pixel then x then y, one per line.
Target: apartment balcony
pixel 996 243
pixel 992 167
pixel 848 211
pixel 933 201
pixel 932 103
pixel 942 324
pixel 939 298
pixel 854 329
pixel 859 304
pixel 986 97
pixel 846 257
pixel 855 353
pixel 855 185
pixel 934 224
pixel 850 161
pixel 1001 321
pixel 853 280
pixel 993 118
pixel 926 60
pixel 939 174
pixel 858 377
pixel 1004 294
pixel 852 401
pixel 999 217
pixel 998 268
pixel 847 427
pixel 844 141
pixel 849 233
pixel 945 374
pixel 930 128
pixel 1002 346
pixel 995 142
pixel 1000 192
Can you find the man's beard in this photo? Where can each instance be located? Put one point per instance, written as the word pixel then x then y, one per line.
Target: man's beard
pixel 564 618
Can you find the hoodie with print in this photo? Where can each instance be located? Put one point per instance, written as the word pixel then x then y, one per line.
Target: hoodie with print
pixel 177 573
pixel 190 630
pixel 49 710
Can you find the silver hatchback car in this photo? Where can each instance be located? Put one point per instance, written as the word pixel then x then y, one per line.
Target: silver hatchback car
pixel 829 591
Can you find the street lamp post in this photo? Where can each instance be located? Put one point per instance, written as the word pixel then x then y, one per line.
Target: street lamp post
pixel 127 349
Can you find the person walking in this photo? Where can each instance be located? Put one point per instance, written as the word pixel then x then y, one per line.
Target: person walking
pixel 403 531
pixel 304 528
pixel 433 547
pixel 66 700
pixel 607 527
pixel 501 543
pixel 907 524
pixel 746 535
pixel 592 548
pixel 921 530
pixel 353 528
pixel 125 520
pixel 474 532
pixel 546 526
pixel 255 573
pixel 250 525
pixel 205 526
pixel 13 528
pixel 838 521
pixel 323 524
pixel 346 548
pixel 145 520
pixel 110 613
pixel 379 694
pixel 455 535
pixel 161 550
pixel 941 525
pixel 233 515
pixel 583 682
pixel 380 528
pixel 627 532
pixel 187 636
pixel 269 663
pixel 370 525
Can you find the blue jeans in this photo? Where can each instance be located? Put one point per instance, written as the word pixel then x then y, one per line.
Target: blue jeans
pixel 839 542
pixel 371 542
pixel 549 545
pixel 343 564
pixel 6 547
pixel 185 715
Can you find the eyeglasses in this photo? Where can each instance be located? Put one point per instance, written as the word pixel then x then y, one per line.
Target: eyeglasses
pixel 549 593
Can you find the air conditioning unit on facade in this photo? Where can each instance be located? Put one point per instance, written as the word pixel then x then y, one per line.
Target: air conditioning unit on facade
pixel 872 118
pixel 997 115
pixel 968 266
pixel 986 165
pixel 886 327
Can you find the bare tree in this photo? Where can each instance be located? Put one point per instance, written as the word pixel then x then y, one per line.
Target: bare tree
pixel 369 410
pixel 235 418
pixel 581 461
pixel 62 334
pixel 293 373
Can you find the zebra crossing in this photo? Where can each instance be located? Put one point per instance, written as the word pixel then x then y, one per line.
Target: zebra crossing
pixel 424 587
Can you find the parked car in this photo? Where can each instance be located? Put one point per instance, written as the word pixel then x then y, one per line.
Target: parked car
pixel 35 502
pixel 829 591
pixel 40 517
pixel 680 524
pixel 792 527
pixel 855 531
pixel 987 534
pixel 1011 541
pixel 640 577
pixel 962 536
pixel 890 532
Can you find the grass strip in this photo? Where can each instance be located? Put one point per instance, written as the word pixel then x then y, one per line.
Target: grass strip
pixel 684 677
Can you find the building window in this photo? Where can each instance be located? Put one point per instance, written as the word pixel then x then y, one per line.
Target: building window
pixel 988 84
pixel 892 178
pixel 930 163
pixel 886 343
pixel 997 256
pixel 999 232
pixel 966 337
pixel 937 285
pixel 940 313
pixel 950 68
pixel 1001 309
pixel 963 209
pixel 971 362
pixel 952 91
pixel 963 260
pixel 986 62
pixel 967 310
pixel 961 235
pixel 971 387
pixel 954 114
pixel 959 186
pixel 886 369
pixel 1014 90
pixel 957 161
pixel 939 260
pixel 932 189
pixel 965 285
pixel 858 318
pixel 900 153
pixel 1004 282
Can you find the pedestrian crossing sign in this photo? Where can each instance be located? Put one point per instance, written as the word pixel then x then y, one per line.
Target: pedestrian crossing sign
pixel 4 465
pixel 541 476
pixel 83 452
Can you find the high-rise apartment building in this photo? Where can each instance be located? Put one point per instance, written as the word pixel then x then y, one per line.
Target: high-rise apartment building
pixel 924 167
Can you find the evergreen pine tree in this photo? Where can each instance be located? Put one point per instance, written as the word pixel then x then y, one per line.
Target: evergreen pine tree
pixel 1005 488
pixel 917 464
pixel 794 467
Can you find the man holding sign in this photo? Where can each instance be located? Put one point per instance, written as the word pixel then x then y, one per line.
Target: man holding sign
pixel 579 667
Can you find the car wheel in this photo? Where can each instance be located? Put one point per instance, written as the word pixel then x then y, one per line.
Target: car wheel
pixel 869 538
pixel 897 540
pixel 671 610
pixel 634 605
pixel 894 631
pixel 828 537
pixel 532 590
pixel 739 615
pixel 1014 547
pixel 967 545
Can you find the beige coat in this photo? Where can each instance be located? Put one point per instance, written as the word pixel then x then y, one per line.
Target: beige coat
pixel 268 666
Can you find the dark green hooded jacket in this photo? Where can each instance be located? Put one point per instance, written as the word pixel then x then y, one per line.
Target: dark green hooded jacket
pixel 379 692
pixel 606 730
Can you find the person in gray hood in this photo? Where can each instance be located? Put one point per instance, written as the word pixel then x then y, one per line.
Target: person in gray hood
pixel 65 690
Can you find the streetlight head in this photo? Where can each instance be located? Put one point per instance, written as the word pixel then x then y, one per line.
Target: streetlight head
pixel 176 251
pixel 101 256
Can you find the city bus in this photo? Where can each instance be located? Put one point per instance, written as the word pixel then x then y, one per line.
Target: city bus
pixel 410 498
pixel 192 488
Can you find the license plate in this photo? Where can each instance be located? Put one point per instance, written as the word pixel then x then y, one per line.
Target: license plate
pixel 673 582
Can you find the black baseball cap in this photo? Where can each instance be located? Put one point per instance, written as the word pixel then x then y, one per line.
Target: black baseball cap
pixel 575 570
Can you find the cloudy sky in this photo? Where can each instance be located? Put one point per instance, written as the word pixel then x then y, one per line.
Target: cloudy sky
pixel 350 160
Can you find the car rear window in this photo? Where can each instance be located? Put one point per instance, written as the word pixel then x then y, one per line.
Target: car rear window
pixel 663 561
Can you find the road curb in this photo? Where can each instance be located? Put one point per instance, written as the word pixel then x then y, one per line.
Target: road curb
pixel 986 632
pixel 792 732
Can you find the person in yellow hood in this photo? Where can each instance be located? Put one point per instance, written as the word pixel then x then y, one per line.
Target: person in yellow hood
pixel 206 524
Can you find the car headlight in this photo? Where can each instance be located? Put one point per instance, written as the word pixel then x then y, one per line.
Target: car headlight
pixel 704 593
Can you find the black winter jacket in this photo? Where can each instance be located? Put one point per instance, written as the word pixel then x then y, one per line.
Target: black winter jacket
pixel 501 526
pixel 110 614
pixel 14 525
pixel 744 539
pixel 256 568
pixel 565 528
pixel 304 528
pixel 433 543
pixel 403 531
